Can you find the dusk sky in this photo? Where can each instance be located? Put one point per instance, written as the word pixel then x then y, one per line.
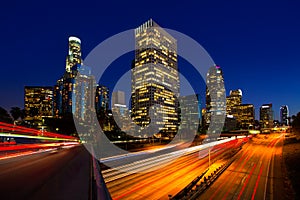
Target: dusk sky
pixel 256 43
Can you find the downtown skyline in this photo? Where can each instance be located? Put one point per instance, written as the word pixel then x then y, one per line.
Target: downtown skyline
pixel 247 46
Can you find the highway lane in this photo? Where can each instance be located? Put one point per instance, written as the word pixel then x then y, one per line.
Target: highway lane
pixel 254 174
pixel 60 175
pixel 167 180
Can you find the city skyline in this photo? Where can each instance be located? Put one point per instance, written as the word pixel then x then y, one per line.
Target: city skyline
pixel 252 55
pixel 71 60
pixel 150 99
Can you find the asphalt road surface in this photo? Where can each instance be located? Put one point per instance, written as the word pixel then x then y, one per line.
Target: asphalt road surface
pixel 255 174
pixel 168 179
pixel 64 174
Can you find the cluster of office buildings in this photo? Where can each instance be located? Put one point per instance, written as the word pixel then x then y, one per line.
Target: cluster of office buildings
pixel 155 93
pixel 75 93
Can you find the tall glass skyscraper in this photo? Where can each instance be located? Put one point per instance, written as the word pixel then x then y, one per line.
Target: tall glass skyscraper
pixel 284 114
pixel 155 79
pixel 83 94
pixel 71 96
pixel 74 55
pixel 191 113
pixel 215 96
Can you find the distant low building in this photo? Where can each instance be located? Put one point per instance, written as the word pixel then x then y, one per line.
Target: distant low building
pixel 38 104
pixel 244 115
pixel 230 123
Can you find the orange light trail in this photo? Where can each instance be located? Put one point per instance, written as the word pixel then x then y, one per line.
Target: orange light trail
pixel 247 180
pixel 257 181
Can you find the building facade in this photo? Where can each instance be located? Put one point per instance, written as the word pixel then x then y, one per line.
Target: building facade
pixel 266 116
pixel 155 79
pixel 121 113
pixel 64 86
pixel 244 115
pixel 215 97
pixel 118 103
pixel 284 114
pixel 101 100
pixel 190 114
pixel 74 53
pixel 234 99
pixel 38 104
pixel 118 98
pixel 83 94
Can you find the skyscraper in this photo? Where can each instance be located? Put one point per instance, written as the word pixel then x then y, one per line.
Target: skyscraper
pixel 83 94
pixel 58 98
pixel 215 96
pixel 74 54
pixel 155 79
pixel 64 86
pixel 234 99
pixel 191 113
pixel 284 114
pixel 101 100
pixel 266 116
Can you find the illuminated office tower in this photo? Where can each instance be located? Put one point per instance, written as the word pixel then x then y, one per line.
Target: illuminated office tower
pixel 74 54
pixel 215 98
pixel 244 115
pixel 38 103
pixel 57 98
pixel 284 114
pixel 234 99
pixel 64 104
pixel 266 116
pixel 155 79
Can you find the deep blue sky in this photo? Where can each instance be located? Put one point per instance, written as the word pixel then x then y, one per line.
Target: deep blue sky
pixel 257 43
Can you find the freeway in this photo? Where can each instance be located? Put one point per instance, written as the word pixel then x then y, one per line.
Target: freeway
pixel 62 174
pixel 255 174
pixel 130 182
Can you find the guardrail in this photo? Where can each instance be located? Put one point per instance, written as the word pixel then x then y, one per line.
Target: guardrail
pixel 194 190
pixel 98 189
pixel 194 194
pixel 189 187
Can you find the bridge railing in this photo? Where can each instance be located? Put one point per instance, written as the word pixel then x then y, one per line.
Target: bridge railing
pixel 98 187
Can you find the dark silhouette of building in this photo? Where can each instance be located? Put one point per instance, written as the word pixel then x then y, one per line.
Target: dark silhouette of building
pixel 284 114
